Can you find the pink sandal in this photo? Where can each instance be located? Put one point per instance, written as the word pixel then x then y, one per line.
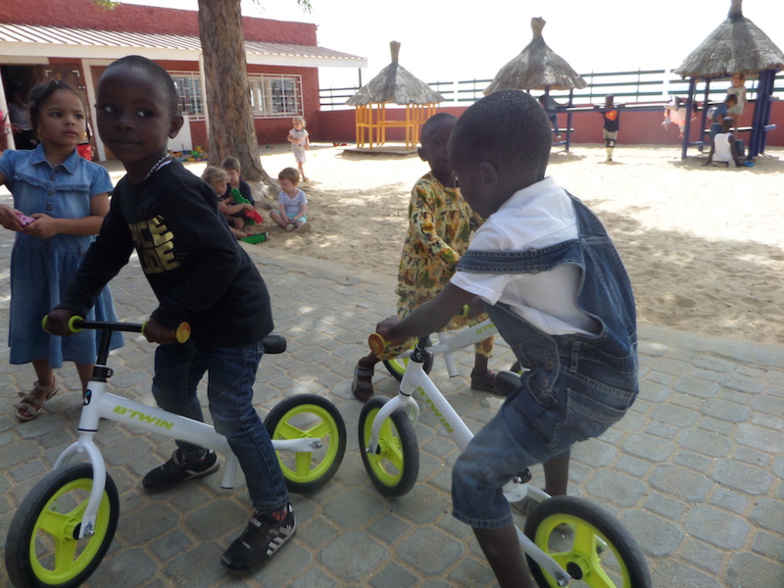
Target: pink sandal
pixel 31 406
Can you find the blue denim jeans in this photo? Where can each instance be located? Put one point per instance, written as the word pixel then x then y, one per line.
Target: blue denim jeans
pixel 231 375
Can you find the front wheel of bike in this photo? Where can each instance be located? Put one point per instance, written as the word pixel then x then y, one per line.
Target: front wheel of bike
pixel 586 541
pixel 42 547
pixel 308 416
pixel 394 466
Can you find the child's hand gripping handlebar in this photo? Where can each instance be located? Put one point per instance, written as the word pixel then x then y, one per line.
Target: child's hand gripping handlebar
pixel 76 323
pixel 384 349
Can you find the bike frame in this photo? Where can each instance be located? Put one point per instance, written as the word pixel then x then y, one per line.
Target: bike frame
pixel 448 344
pixel 98 404
pixel 415 380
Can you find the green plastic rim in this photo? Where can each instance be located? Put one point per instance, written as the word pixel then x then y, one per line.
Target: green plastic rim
pixel 387 461
pixel 60 529
pixel 588 547
pixel 303 470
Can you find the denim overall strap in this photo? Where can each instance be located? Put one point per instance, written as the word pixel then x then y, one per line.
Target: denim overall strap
pixel 604 292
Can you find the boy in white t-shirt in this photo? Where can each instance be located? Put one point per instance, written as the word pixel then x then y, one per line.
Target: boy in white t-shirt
pixel 723 147
pixel 554 285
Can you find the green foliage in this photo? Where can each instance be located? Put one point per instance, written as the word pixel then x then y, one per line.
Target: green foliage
pixel 107 4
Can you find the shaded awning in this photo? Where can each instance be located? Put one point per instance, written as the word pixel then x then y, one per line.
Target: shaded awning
pixel 46 41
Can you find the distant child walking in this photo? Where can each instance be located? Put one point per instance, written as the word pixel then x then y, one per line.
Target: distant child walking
pixel 300 141
pixel 554 285
pixel 440 224
pixel 610 116
pixel 292 203
pixel 60 200
pixel 200 275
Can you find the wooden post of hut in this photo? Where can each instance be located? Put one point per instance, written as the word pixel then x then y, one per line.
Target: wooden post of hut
pixel 393 85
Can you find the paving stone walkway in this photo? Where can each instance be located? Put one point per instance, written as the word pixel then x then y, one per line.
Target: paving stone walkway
pixel 694 471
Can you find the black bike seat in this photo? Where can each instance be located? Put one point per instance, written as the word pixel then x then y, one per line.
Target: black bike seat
pixel 274 343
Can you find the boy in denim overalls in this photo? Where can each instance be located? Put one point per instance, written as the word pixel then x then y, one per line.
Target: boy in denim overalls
pixel 553 283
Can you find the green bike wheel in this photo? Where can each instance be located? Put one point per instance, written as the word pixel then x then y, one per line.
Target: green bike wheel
pixel 303 416
pixel 42 546
pixel 394 466
pixel 586 541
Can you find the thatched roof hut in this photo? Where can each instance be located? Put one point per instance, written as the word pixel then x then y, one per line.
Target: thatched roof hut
pixel 736 46
pixel 537 67
pixel 393 85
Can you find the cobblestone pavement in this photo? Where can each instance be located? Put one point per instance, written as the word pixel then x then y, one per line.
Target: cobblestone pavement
pixel 694 471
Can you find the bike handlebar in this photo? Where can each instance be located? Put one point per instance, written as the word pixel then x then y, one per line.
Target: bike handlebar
pixel 76 324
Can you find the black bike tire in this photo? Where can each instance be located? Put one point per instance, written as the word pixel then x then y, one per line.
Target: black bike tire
pixel 20 533
pixel 337 425
pixel 397 485
pixel 615 535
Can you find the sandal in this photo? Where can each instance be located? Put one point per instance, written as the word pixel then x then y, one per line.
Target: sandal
pixel 362 386
pixel 484 382
pixel 30 406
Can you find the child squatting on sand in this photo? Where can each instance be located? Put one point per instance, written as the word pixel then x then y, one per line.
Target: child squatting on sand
pixel 164 212
pixel 554 285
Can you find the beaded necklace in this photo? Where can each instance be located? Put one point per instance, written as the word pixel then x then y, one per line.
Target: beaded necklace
pixel 158 165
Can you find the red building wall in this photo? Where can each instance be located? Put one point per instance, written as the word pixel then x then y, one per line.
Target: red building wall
pixel 637 128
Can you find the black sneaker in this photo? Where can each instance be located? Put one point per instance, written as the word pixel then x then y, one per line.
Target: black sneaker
pixel 259 542
pixel 177 470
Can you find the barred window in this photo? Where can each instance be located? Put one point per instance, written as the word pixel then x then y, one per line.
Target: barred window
pixel 189 93
pixel 275 96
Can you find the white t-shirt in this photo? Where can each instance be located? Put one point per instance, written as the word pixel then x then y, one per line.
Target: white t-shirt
pixel 538 216
pixel 722 151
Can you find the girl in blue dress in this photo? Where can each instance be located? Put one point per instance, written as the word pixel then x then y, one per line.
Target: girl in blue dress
pixel 60 200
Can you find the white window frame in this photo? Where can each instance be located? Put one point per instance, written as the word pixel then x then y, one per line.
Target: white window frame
pixel 275 95
pixel 189 95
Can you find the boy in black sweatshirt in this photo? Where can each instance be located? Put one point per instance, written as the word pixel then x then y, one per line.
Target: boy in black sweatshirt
pixel 200 275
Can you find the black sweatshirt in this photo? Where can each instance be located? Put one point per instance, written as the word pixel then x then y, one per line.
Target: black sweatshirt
pixel 195 266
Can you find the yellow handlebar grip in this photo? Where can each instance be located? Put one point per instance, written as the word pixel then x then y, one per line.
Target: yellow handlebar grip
pixel 377 344
pixel 183 333
pixel 72 324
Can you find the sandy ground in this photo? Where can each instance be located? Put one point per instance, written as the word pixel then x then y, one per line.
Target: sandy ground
pixel 704 246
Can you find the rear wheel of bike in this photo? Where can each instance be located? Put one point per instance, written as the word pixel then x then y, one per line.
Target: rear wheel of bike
pixel 305 416
pixel 394 466
pixel 42 547
pixel 586 541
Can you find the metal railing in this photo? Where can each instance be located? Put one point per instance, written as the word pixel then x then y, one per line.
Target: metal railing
pixel 627 86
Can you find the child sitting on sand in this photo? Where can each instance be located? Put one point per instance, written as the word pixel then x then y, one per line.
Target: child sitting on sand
pixel 440 224
pixel 217 178
pixel 723 148
pixel 292 203
pixel 554 285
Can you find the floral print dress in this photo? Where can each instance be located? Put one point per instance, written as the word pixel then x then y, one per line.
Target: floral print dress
pixel 439 231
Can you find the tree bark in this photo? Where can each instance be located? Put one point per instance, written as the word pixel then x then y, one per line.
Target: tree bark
pixel 231 130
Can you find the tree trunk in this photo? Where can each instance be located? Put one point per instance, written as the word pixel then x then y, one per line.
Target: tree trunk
pixel 231 128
